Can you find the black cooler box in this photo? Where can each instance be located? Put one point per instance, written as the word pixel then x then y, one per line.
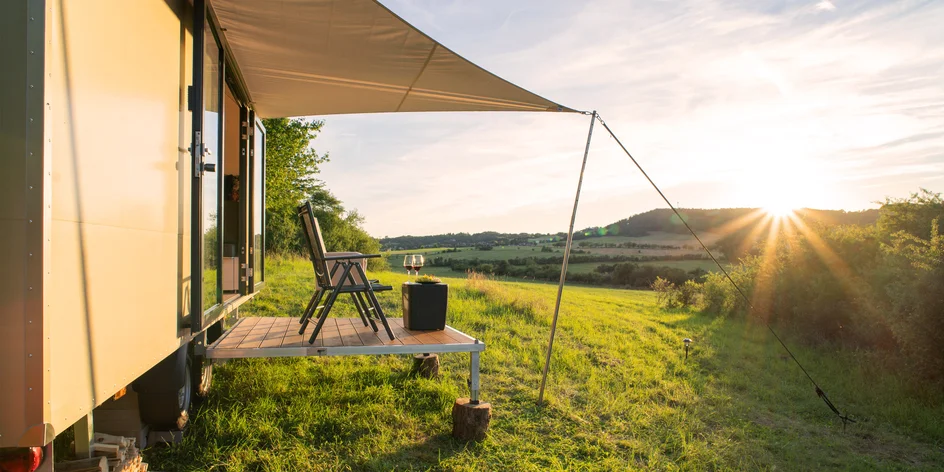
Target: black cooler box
pixel 424 306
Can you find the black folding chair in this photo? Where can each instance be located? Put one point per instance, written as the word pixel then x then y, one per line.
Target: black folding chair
pixel 362 292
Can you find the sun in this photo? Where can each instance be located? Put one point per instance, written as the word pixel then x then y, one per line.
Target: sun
pixel 779 209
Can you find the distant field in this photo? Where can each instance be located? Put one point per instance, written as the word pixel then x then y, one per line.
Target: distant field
pixel 658 237
pixel 705 265
pixel 510 252
pixel 497 253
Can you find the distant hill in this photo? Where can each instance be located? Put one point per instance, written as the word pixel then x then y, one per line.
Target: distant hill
pixel 486 238
pixel 736 228
pixel 722 220
pixel 714 220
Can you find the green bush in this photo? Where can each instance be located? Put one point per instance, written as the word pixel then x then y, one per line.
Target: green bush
pixel 669 295
pixel 916 296
pixel 879 287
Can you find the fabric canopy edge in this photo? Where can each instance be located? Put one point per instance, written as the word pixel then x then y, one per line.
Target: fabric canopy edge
pixel 560 108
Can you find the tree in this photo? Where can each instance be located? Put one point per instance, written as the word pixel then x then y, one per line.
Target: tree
pixel 291 167
pixel 912 214
pixel 341 229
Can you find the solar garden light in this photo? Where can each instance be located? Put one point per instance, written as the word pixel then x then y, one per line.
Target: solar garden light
pixel 687 342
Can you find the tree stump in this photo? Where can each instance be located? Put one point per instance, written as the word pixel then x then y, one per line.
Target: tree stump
pixel 426 365
pixel 470 420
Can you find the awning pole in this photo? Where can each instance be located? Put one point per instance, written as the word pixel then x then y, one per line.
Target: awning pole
pixel 563 276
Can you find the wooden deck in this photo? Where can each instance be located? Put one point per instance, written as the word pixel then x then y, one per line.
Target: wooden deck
pixel 278 337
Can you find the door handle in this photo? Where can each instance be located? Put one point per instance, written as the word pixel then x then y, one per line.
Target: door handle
pixel 209 167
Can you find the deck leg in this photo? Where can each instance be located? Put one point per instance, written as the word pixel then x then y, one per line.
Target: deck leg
pixel 474 378
pixel 470 417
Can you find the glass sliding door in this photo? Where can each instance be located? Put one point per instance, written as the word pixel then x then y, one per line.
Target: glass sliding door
pixel 212 167
pixel 206 150
pixel 257 191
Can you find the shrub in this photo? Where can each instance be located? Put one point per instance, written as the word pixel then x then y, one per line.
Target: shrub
pixel 878 287
pixel 688 293
pixel 916 295
pixel 669 295
pixel 663 289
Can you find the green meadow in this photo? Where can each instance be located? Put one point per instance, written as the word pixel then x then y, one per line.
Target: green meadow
pixel 621 395
pixel 591 246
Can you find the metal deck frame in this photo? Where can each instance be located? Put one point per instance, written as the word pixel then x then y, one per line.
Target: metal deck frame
pixel 474 348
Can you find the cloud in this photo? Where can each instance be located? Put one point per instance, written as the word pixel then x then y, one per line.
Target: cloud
pixel 707 95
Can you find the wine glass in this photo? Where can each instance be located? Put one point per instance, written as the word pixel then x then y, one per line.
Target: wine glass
pixel 408 265
pixel 418 261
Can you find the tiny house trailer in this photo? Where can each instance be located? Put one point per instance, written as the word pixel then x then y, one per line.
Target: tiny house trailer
pixel 133 181
pixel 104 250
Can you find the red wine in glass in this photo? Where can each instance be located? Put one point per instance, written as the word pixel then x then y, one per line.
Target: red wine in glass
pixel 408 265
pixel 418 262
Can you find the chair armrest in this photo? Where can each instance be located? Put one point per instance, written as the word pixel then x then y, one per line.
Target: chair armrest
pixel 351 256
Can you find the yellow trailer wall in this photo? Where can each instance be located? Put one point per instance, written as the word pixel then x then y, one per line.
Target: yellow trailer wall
pixel 119 257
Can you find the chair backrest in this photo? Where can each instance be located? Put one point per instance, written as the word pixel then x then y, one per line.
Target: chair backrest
pixel 316 245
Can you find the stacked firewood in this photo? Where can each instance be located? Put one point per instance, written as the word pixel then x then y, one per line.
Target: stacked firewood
pixel 111 454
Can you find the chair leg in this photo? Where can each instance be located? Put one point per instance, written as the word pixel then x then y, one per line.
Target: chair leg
pixel 360 309
pixel 328 304
pixel 367 309
pixel 311 309
pixel 374 301
pixel 362 306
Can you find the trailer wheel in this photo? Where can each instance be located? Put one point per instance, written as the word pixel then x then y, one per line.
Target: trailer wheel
pixel 165 391
pixel 202 376
pixel 202 367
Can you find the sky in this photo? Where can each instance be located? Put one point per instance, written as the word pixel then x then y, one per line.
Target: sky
pixel 820 104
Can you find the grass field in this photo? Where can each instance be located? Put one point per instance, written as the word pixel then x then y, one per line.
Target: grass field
pixel 621 396
pixel 497 253
pixel 395 258
pixel 508 252
pixel 706 265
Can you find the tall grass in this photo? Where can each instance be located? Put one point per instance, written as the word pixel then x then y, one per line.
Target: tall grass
pixel 621 395
pixel 531 304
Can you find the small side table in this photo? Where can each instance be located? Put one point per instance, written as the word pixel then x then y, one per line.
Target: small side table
pixel 424 306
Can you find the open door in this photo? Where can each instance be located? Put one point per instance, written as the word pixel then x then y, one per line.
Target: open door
pixel 206 100
pixel 257 139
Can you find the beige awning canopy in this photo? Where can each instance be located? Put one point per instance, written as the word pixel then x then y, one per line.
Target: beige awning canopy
pixel 323 57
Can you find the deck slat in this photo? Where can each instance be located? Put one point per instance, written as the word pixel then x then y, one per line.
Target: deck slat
pixel 396 325
pixel 257 334
pixel 274 337
pixel 349 336
pixel 237 333
pixel 457 336
pixel 367 335
pixel 330 335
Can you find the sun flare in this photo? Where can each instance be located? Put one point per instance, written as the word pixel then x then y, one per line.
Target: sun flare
pixel 779 210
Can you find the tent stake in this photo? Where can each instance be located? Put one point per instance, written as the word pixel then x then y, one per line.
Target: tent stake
pixel 563 276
